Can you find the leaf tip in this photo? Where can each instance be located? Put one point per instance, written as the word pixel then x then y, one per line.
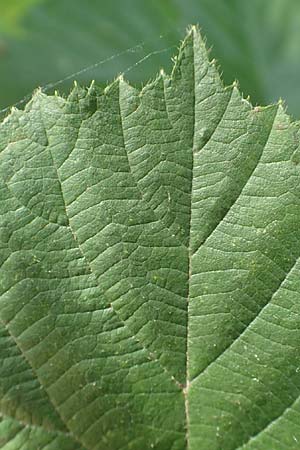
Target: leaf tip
pixel 282 103
pixel 194 30
pixel 91 87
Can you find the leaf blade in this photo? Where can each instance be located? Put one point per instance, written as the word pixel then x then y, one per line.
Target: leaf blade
pixel 150 255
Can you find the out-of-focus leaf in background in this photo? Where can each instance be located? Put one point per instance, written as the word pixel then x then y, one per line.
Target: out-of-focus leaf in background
pixel 41 41
pixel 12 13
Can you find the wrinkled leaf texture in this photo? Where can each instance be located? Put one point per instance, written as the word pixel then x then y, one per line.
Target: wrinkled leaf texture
pixel 150 288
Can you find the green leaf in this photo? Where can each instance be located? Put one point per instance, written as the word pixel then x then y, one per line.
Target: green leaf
pixel 12 14
pixel 149 288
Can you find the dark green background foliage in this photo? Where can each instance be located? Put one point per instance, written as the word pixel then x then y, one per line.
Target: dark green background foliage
pixel 257 42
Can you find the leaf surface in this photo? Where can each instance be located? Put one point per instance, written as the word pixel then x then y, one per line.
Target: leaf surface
pixel 150 268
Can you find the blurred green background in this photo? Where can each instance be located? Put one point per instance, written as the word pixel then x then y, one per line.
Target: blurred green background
pixel 43 41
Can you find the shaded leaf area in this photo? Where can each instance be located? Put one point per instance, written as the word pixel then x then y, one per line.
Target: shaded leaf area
pixel 18 435
pixel 150 267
